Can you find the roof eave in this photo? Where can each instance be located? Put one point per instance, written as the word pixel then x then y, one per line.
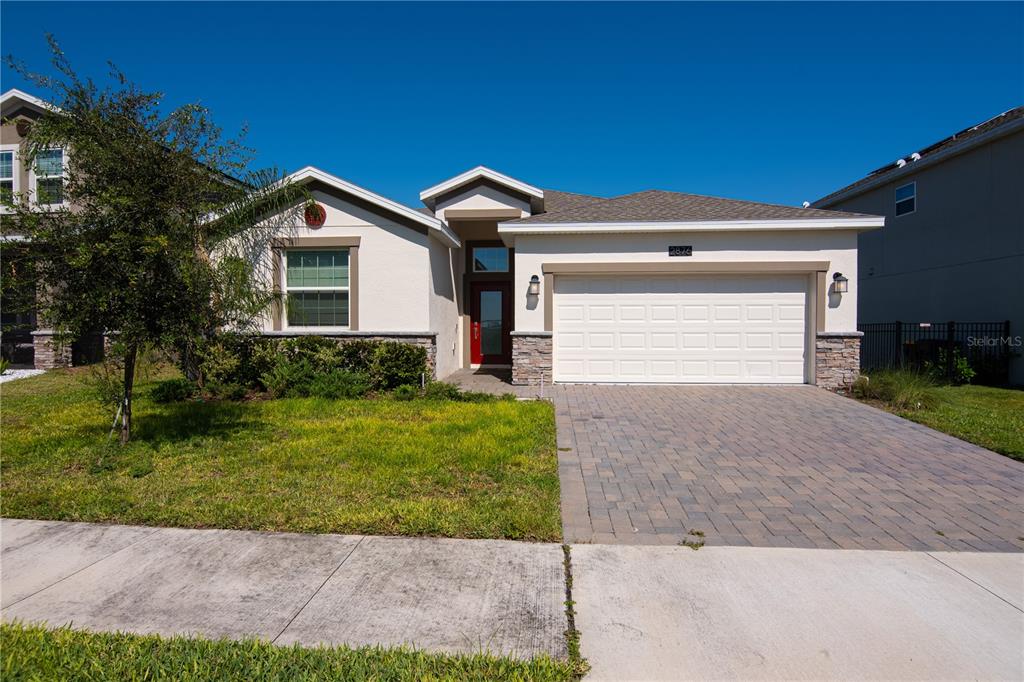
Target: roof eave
pixel 480 172
pixel 860 223
pixel 895 173
pixel 441 230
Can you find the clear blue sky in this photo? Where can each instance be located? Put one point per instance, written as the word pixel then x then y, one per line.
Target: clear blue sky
pixel 769 102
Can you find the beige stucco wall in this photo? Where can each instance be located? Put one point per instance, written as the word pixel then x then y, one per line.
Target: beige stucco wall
pixel 444 312
pixel 394 266
pixel 960 255
pixel 482 197
pixel 839 247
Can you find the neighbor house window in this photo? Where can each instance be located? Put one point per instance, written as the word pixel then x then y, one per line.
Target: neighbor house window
pixel 49 175
pixel 316 287
pixel 8 176
pixel 490 259
pixel 906 198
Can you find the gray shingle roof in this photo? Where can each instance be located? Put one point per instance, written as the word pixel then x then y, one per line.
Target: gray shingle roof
pixel 661 206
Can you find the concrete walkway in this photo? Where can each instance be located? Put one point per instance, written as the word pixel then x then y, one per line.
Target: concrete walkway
pixel 744 613
pixel 435 594
pixel 645 612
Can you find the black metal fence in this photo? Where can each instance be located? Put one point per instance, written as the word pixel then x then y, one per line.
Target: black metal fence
pixel 936 346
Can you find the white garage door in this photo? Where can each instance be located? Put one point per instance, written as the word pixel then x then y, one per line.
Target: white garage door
pixel 680 329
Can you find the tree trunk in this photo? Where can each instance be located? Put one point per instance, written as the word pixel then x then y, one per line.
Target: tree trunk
pixel 129 383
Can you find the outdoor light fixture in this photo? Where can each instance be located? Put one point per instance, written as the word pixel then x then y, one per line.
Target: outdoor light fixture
pixel 534 288
pixel 840 282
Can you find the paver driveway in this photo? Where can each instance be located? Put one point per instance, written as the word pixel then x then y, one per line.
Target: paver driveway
pixel 774 466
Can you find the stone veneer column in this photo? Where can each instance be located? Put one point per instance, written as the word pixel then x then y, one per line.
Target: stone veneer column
pixel 49 354
pixel 531 358
pixel 837 360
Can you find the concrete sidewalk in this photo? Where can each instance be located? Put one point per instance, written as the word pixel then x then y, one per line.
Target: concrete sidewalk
pixel 744 613
pixel 461 596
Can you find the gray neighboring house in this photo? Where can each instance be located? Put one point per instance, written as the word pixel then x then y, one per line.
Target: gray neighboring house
pixel 953 243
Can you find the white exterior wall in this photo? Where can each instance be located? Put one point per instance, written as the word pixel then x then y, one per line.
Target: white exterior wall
pixel 839 247
pixel 444 312
pixel 394 266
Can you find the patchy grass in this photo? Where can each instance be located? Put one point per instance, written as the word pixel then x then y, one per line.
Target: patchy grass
pixel 990 417
pixel 454 469
pixel 35 653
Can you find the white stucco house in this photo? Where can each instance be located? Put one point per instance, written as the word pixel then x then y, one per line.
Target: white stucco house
pixel 650 287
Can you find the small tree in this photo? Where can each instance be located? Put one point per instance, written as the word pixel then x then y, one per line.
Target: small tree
pixel 166 230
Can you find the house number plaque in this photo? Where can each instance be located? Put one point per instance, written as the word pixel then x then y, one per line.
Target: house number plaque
pixel 680 250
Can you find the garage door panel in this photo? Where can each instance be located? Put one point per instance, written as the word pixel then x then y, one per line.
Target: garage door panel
pixel 680 329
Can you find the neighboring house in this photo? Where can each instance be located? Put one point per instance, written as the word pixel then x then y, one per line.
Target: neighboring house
pixel 43 185
pixel 651 287
pixel 953 246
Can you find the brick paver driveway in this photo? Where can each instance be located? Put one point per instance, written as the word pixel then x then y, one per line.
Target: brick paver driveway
pixel 774 466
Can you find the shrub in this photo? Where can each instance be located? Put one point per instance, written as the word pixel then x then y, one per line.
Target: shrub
pixel 289 377
pixel 226 391
pixel 397 364
pixel 440 390
pixel 902 390
pixel 405 392
pixel 218 362
pixel 962 370
pixel 5 364
pixel 477 397
pixel 340 383
pixel 173 390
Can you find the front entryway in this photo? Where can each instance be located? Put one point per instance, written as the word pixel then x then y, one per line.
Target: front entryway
pixel 490 320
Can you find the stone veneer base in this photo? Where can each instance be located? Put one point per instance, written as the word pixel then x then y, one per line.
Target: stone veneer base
pixel 426 340
pixel 837 360
pixel 531 358
pixel 47 353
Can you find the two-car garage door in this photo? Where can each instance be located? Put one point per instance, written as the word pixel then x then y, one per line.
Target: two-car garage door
pixel 680 329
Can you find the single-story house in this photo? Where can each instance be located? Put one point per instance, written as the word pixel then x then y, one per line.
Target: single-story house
pixel 650 287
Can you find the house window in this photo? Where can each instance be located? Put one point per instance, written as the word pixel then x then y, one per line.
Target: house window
pixel 9 181
pixel 490 259
pixel 316 287
pixel 906 198
pixel 49 175
pixel 7 176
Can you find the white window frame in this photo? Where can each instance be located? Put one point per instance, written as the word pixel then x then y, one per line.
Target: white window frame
pixel 912 196
pixel 15 169
pixel 34 184
pixel 285 289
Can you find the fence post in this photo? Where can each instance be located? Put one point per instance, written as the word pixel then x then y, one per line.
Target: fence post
pixel 899 344
pixel 950 344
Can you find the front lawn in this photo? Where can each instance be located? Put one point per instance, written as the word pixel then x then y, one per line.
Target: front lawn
pixel 990 417
pixel 476 470
pixel 35 653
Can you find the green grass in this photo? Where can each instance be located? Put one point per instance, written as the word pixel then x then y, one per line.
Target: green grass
pixel 35 653
pixel 486 470
pixel 990 417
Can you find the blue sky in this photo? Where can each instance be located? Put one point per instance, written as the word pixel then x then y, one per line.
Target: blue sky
pixel 768 102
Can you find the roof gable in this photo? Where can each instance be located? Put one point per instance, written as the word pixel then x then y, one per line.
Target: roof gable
pixel 309 175
pixel 475 175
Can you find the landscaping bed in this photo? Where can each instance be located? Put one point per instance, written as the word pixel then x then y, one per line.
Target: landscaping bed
pixel 31 652
pixel 376 466
pixel 990 417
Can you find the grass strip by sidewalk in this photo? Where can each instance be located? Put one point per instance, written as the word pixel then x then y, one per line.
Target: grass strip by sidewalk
pixel 32 652
pixel 314 465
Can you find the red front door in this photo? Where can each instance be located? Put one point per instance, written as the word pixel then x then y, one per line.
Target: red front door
pixel 490 321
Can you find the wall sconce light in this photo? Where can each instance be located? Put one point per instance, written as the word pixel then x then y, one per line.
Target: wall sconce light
pixel 841 283
pixel 534 288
